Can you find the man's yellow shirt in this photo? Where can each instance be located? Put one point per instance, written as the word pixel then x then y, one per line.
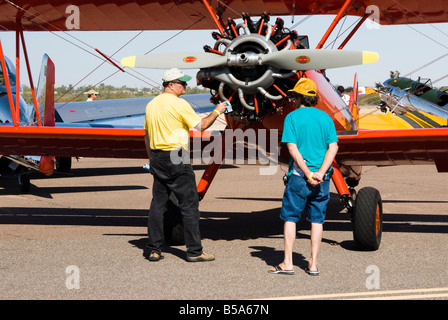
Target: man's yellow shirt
pixel 168 120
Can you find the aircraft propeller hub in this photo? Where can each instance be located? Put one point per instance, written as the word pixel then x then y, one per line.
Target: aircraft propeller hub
pixel 244 63
pixel 244 70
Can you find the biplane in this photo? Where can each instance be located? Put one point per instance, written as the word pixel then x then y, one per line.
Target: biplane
pixel 414 104
pixel 252 64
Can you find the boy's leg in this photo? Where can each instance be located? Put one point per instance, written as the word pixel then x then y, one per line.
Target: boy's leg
pixel 289 232
pixel 316 239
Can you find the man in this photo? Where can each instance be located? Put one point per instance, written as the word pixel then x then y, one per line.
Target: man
pixel 311 138
pixel 343 96
pixel 91 95
pixel 167 122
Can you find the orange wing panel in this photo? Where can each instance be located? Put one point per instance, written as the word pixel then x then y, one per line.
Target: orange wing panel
pixel 71 142
pixel 80 142
pixel 394 147
pixel 368 147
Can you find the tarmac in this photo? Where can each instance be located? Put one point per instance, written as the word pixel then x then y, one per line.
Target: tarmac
pixel 82 236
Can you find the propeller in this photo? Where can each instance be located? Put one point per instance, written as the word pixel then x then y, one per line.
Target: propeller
pixel 317 59
pixel 303 59
pixel 180 60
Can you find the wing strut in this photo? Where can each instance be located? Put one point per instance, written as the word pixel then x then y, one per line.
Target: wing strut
pixel 17 112
pixel 25 53
pixel 7 84
pixel 358 25
pixel 341 187
pixel 334 23
pixel 214 17
pixel 211 170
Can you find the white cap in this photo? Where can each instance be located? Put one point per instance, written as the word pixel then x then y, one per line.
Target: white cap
pixel 175 74
pixel 92 92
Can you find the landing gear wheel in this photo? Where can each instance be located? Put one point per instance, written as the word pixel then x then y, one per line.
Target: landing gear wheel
pixel 172 223
pixel 63 164
pixel 352 193
pixel 24 182
pixel 368 219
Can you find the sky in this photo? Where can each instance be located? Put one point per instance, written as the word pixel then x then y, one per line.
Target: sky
pixel 403 48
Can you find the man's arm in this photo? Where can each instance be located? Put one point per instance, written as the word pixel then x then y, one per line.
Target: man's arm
pixel 298 159
pixel 147 144
pixel 328 160
pixel 207 121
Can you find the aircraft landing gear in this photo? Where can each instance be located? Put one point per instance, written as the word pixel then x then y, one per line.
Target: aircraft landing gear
pixel 365 209
pixel 63 164
pixel 367 219
pixel 24 182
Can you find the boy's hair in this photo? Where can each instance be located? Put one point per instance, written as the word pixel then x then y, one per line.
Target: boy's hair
pixel 309 101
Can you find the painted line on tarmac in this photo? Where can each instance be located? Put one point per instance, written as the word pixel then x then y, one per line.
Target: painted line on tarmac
pixel 428 293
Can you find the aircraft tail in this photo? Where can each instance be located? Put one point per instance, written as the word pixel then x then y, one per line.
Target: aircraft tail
pixel 353 104
pixel 45 92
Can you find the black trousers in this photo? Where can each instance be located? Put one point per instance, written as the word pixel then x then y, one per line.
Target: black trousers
pixel 172 176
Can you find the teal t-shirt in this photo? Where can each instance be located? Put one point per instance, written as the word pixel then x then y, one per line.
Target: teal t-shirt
pixel 312 130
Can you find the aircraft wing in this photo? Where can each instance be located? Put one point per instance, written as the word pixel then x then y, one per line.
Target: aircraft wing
pixel 72 141
pixel 104 128
pixel 58 15
pixel 119 112
pixel 81 141
pixel 367 147
pixel 395 147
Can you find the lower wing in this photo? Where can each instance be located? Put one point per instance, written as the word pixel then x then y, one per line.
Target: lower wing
pixel 395 147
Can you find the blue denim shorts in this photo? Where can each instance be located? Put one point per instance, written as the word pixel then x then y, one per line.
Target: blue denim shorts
pixel 300 195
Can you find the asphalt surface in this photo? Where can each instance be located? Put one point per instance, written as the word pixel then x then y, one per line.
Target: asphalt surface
pixel 82 236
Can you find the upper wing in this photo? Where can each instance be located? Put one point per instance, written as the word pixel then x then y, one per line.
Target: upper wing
pixel 60 15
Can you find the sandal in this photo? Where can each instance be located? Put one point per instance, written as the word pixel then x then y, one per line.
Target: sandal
pixel 279 270
pixel 312 273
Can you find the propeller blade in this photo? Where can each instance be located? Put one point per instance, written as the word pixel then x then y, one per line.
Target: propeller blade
pixel 317 59
pixel 181 60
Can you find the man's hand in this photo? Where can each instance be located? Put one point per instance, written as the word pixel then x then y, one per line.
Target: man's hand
pixel 221 107
pixel 316 179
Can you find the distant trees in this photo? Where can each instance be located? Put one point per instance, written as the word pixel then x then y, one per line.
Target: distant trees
pixel 106 92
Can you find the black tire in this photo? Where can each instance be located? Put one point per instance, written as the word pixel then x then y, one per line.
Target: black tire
pixel 24 182
pixel 172 223
pixel 63 164
pixel 368 219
